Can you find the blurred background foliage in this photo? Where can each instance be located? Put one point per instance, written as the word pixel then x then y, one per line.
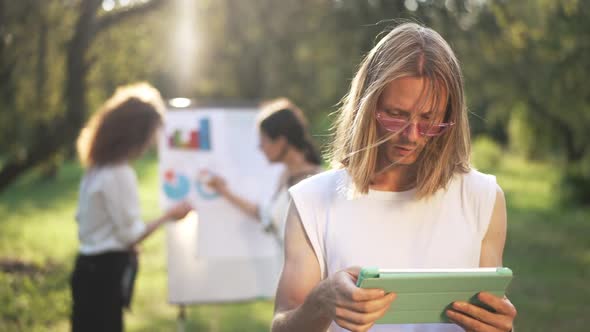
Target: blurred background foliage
pixel 525 65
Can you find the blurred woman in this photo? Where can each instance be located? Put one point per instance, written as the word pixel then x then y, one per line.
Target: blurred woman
pixel 284 138
pixel 108 216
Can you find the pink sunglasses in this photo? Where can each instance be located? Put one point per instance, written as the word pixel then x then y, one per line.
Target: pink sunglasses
pixel 425 128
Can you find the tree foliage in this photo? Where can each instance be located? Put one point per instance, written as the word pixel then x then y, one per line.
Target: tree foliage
pixel 37 134
pixel 524 62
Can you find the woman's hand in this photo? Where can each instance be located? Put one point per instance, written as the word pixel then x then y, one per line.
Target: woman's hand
pixel 178 211
pixel 217 183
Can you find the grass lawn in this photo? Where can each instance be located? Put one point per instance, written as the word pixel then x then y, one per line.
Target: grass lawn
pixel 548 248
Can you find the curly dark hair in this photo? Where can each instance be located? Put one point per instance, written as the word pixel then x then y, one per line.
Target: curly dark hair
pixel 123 127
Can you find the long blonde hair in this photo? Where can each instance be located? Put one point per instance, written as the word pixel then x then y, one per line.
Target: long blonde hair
pixel 409 50
pixel 123 127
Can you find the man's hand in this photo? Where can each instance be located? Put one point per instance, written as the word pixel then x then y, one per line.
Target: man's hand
pixel 353 308
pixel 473 318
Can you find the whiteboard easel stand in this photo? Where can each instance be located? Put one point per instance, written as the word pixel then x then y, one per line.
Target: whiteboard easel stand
pixel 181 320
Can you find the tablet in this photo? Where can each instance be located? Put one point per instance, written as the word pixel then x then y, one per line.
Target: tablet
pixel 423 295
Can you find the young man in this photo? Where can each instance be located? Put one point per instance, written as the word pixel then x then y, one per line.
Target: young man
pixel 404 196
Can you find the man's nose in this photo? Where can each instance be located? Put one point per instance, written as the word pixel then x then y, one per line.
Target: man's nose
pixel 411 132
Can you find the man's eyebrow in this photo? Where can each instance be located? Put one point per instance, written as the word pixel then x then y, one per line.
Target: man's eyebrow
pixel 401 110
pixel 394 108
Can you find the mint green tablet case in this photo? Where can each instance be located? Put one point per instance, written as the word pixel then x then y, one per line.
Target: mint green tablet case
pixel 423 297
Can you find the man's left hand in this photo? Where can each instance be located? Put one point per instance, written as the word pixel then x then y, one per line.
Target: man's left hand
pixel 474 318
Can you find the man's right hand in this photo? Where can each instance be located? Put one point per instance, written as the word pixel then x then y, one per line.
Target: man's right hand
pixel 351 307
pixel 306 302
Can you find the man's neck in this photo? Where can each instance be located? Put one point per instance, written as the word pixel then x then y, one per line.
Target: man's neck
pixel 395 178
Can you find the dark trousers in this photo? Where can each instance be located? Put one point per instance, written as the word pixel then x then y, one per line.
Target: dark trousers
pixel 97 299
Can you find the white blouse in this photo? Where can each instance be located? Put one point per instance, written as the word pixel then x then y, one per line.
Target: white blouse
pixel 273 213
pixel 108 213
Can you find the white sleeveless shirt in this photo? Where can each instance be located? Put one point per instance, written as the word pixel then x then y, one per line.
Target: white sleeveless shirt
pixel 395 230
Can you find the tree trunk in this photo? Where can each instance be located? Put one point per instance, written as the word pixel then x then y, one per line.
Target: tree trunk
pixel 53 137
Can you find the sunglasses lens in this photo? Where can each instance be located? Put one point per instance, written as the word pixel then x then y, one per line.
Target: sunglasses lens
pixel 397 125
pixel 429 130
pixel 394 125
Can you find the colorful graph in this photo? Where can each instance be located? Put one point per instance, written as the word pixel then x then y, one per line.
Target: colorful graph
pixel 204 191
pixel 198 139
pixel 176 186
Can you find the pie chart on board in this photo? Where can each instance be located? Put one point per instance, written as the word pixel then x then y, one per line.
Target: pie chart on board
pixel 176 186
pixel 204 191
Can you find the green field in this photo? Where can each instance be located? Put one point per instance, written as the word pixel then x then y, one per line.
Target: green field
pixel 548 248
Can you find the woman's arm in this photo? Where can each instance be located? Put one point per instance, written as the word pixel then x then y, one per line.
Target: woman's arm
pixel 121 202
pixel 218 184
pixel 176 212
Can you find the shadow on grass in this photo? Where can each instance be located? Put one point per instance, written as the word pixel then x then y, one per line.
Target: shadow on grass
pixel 33 297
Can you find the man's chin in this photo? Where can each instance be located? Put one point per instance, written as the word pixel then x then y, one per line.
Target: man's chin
pixel 408 159
pixel 401 161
